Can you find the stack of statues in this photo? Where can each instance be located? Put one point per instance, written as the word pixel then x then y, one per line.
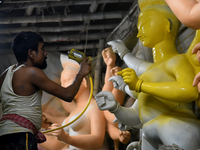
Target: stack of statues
pixel 88 132
pixel 163 89
pixel 164 92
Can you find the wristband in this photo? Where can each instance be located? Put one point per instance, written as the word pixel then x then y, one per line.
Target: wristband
pixel 138 86
pixel 123 53
pixel 123 87
pixel 116 109
pixel 80 74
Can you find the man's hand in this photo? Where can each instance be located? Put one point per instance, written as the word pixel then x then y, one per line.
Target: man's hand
pixel 85 67
pixel 118 83
pixel 106 101
pixel 119 47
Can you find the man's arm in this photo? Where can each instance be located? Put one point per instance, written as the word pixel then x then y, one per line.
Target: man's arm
pixel 40 80
pixel 187 11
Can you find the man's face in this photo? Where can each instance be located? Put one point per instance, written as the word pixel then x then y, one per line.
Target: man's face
pixel 41 56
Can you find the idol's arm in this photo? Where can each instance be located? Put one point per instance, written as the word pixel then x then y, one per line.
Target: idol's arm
pixel 187 11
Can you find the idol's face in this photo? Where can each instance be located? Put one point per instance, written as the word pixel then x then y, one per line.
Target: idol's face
pixel 68 75
pixel 151 28
pixel 67 78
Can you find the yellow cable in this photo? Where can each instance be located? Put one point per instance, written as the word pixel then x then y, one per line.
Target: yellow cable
pixel 26 141
pixel 89 100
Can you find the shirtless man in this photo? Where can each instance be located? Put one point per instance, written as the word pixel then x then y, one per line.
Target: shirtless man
pixel 21 86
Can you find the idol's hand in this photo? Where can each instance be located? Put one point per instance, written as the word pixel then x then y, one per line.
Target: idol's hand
pixel 130 77
pixel 119 47
pixel 122 126
pixel 60 133
pixel 134 145
pixel 196 50
pixel 106 101
pixel 109 57
pixel 118 83
pixel 124 136
pixel 196 81
pixel 114 70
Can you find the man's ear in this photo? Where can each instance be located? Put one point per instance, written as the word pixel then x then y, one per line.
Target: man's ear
pixel 168 25
pixel 31 53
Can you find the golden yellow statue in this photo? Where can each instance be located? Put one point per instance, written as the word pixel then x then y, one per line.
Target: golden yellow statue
pixel 163 89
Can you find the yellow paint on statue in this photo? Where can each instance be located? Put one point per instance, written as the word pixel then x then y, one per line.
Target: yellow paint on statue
pixel 165 95
pixel 166 89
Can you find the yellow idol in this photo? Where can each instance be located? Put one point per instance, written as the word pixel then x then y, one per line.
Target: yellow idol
pixel 157 28
pixel 145 3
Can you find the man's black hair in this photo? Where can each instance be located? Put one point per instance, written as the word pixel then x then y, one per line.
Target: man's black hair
pixel 24 41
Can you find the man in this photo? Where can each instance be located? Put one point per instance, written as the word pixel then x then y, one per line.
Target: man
pixel 20 94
